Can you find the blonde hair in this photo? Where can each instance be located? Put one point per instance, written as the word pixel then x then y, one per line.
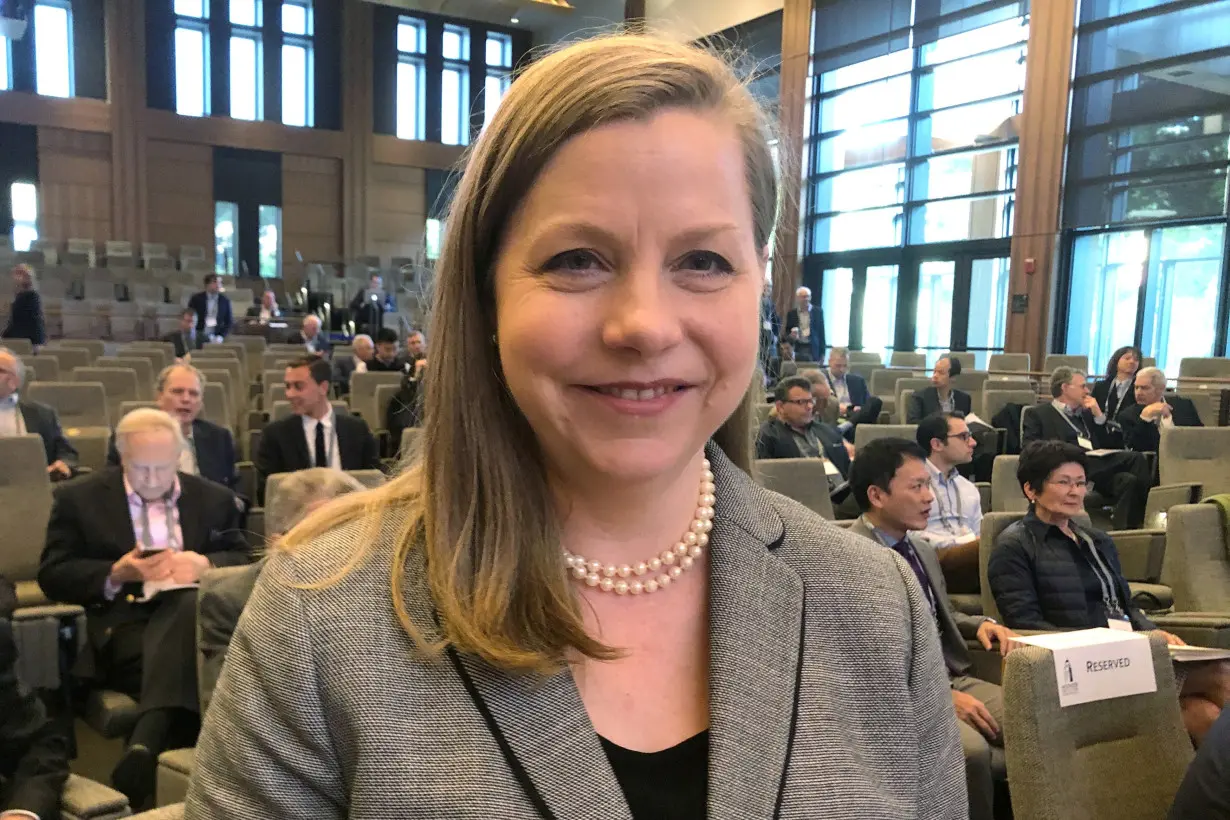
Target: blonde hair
pixel 146 420
pixel 288 506
pixel 474 489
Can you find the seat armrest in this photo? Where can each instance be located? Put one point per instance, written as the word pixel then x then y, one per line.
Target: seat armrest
pixel 88 800
pixel 30 613
pixel 247 479
pixel 1141 553
pixel 984 493
pixel 1164 496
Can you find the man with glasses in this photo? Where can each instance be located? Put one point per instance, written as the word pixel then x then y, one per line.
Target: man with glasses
pixel 956 516
pixel 796 433
pixel 130 545
pixel 855 403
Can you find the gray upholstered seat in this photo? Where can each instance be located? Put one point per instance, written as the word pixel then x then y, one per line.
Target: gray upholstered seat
pixel 870 432
pixel 801 479
pixel 1196 455
pixel 1014 362
pixel 1054 360
pixel 1197 563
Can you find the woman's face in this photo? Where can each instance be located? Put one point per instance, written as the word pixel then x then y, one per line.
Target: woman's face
pixel 627 295
pixel 1128 364
pixel 1063 492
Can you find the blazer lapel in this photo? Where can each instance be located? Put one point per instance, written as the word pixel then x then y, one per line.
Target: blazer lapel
pixel 116 507
pixel 190 518
pixel 299 435
pixel 343 442
pixel 756 620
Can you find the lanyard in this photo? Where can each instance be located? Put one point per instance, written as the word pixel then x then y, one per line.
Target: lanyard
pixel 956 506
pixel 1080 431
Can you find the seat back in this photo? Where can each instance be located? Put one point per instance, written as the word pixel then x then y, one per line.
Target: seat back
pixel 801 479
pixel 1197 565
pixel 157 358
pixel 224 379
pixel 1121 757
pixel 22 347
pixel 884 383
pixel 763 411
pixel 127 407
pixel 281 409
pixel 384 397
pixel 993 523
pixel 409 439
pixel 907 358
pixel 1196 455
pixel 1194 368
pixel 168 349
pixel 1006 493
pixel 363 395
pixel 914 384
pixel 213 407
pixel 1054 360
pixel 1202 400
pixel 96 347
pixel 25 505
pixel 119 383
pixel 865 433
pixel 865 357
pixel 967 359
pixel 69 358
pixel 41 369
pixel 994 400
pixel 77 404
pixel 143 369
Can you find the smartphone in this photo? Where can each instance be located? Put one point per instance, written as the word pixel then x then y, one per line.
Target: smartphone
pixel 149 553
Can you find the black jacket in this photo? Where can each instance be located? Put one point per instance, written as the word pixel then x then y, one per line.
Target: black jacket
pixel 183 346
pixel 1045 423
pixel 42 420
pixel 1041 581
pixel 200 303
pixel 320 344
pixel 1145 436
pixel 215 453
pixel 816 339
pixel 1112 407
pixel 776 441
pixel 405 410
pixel 927 401
pixel 33 752
pixel 284 447
pixel 26 319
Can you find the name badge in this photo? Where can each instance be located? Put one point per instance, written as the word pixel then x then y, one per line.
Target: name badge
pixel 1084 443
pixel 211 321
pixel 1119 624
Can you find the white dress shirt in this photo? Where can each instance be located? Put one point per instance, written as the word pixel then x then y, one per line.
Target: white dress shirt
pixel 11 421
pixel 956 515
pixel 333 452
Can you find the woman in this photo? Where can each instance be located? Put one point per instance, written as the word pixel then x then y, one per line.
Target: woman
pixel 26 313
pixel 1114 392
pixel 574 602
pixel 1047 572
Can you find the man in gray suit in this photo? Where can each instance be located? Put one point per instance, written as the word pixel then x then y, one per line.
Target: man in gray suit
pixel 890 482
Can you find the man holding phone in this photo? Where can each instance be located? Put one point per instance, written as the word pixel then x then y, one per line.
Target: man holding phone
pixel 130 545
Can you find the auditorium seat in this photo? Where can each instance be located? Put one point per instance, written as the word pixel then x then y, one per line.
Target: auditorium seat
pixel 40 368
pixel 119 384
pixel 870 432
pixel 82 409
pixel 80 253
pixel 1197 563
pixel 22 347
pixel 96 347
pixel 996 398
pixel 409 438
pixel 156 357
pixel 83 799
pixel 1122 757
pixel 1194 370
pixel 128 406
pixel 801 479
pixel 1054 360
pixel 762 413
pixel 1196 455
pixel 883 383
pixel 363 395
pixel 906 358
pixel 967 359
pixel 1203 402
pixel 914 384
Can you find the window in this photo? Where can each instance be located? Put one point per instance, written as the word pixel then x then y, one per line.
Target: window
pixel 411 73
pixel 435 231
pixel 53 48
pixel 270 239
pixel 880 325
pixel 934 312
pixel 298 86
pixel 6 63
pixel 226 238
pixel 499 67
pixel 23 200
pixel 192 58
pixel 455 87
pixel 835 301
pixel 247 72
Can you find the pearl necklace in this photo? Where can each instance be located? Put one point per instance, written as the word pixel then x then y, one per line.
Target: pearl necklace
pixel 663 569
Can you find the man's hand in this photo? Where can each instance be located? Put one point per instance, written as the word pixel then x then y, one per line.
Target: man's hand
pixel 419 367
pixel 1155 411
pixel 970 710
pixel 59 468
pixel 1174 640
pixel 989 632
pixel 849 448
pixel 1091 404
pixel 136 566
pixel 188 567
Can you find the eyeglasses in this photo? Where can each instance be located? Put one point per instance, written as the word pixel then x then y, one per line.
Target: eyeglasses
pixel 966 436
pixel 1068 484
pixel 801 402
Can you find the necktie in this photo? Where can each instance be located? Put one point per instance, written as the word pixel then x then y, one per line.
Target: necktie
pixel 906 550
pixel 322 458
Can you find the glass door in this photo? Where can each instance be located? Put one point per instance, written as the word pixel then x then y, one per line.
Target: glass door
pixel 962 304
pixel 933 315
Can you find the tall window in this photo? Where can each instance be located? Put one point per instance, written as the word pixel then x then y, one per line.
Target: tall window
pixel 192 57
pixel 226 238
pixel 6 65
pixel 499 73
pixel 23 200
pixel 270 238
pixel 455 87
pixel 411 76
pixel 297 68
pixel 53 48
pixel 247 73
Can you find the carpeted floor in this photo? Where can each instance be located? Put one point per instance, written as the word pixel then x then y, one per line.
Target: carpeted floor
pixel 96 755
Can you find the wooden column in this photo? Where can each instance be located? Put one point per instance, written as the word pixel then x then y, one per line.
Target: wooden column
pixel 792 108
pixel 1043 132
pixel 357 125
pixel 634 11
pixel 125 33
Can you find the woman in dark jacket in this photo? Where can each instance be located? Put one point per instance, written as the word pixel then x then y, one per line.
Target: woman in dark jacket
pixel 1114 392
pixel 26 316
pixel 1049 573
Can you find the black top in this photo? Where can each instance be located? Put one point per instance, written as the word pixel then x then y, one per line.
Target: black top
pixel 26 319
pixel 1205 791
pixel 672 784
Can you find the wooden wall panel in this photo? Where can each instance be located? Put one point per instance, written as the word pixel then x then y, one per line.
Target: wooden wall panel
pixel 180 191
pixel 792 108
pixel 74 184
pixel 396 211
pixel 311 208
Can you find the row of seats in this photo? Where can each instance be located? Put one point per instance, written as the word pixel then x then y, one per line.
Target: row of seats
pixel 112 253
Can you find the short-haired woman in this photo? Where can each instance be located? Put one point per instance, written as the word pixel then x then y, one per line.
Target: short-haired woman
pixel 26 312
pixel 574 602
pixel 1114 392
pixel 1048 572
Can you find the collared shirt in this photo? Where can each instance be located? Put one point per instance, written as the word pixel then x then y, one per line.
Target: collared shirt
pixel 906 550
pixel 332 452
pixel 164 530
pixel 805 324
pixel 12 423
pixel 1118 389
pixel 810 446
pixel 211 309
pixel 1075 418
pixel 949 404
pixel 187 458
pixel 840 389
pixel 956 515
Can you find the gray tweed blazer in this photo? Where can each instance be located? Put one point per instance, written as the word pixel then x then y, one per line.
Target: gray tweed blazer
pixel 828 694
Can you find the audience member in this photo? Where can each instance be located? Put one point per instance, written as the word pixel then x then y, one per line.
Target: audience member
pixel 1204 793
pixel 416 354
pixel 1114 392
pixel 955 522
pixel 20 416
pixel 770 327
pixel 368 306
pixel 33 750
pixel 785 353
pixel 213 310
pixel 313 337
pixel 941 396
pixel 26 312
pixel 130 545
pixel 386 359
pixel 186 338
pixel 1075 417
pixel 805 327
pixel 826 409
pixel 267 310
pixel 1153 411
pixel 1048 572
pixel 344 366
pixel 892 485
pixel 209 449
pixel 856 405
pixel 445 596
pixel 315 436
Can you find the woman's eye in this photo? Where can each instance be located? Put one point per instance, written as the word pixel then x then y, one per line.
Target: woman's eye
pixel 705 262
pixel 575 261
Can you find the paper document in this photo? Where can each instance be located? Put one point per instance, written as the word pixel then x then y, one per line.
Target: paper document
pixel 152 589
pixel 1190 654
pixel 1103 452
pixel 972 418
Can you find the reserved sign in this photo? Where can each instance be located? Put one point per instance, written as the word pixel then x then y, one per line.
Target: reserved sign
pixel 1098 664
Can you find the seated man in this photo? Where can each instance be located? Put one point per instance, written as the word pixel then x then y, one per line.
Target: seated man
pixel 1074 417
pixel 20 416
pixel 856 405
pixel 344 366
pixel 386 359
pixel 210 450
pixel 312 337
pixel 33 751
pixel 1153 412
pixel 416 354
pixel 314 436
pixel 785 353
pixel 267 310
pixel 956 516
pixel 891 484
pixel 1049 572
pixel 186 339
pixel 795 433
pixel 130 545
pixel 826 409
pixel 941 396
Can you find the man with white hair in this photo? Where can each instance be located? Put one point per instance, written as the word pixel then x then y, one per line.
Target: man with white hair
pixel 130 545
pixel 344 366
pixel 1154 411
pixel 20 416
pixel 805 327
pixel 313 337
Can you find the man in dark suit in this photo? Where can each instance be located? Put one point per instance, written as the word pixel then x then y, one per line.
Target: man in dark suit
pixel 805 327
pixel 314 339
pixel 368 306
pixel 387 359
pixel 130 546
pixel 213 310
pixel 1074 416
pixel 314 436
pixel 941 396
pixel 26 312
pixel 186 339
pixel 892 486
pixel 854 401
pixel 210 451
pixel 1154 411
pixel 345 366
pixel 770 327
pixel 33 751
pixel 19 416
